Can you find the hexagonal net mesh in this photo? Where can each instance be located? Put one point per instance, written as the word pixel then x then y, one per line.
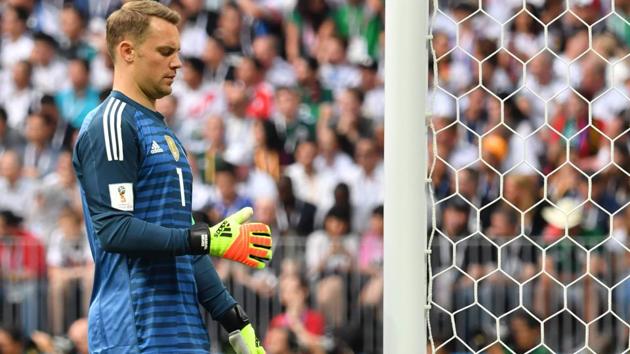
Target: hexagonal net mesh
pixel 530 176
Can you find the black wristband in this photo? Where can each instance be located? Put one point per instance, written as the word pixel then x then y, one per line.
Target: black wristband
pixel 199 239
pixel 234 319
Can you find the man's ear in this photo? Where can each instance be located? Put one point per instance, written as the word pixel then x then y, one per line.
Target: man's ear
pixel 126 51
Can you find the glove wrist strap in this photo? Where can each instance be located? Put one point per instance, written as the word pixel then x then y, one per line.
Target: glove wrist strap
pixel 199 239
pixel 234 319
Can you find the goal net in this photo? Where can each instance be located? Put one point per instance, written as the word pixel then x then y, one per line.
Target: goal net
pixel 530 176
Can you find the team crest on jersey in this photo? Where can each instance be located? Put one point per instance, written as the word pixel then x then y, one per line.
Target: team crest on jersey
pixel 172 146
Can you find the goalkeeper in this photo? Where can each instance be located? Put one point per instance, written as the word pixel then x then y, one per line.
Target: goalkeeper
pixel 152 267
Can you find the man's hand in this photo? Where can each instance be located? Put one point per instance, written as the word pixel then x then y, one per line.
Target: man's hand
pixel 249 243
pixel 244 341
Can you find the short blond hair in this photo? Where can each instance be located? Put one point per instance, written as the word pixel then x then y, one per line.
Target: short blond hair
pixel 132 21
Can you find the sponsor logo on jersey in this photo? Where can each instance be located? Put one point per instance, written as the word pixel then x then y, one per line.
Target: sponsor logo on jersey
pixel 172 146
pixel 156 148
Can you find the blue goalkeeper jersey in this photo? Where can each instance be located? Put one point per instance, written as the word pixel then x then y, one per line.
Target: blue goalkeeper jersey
pixel 136 188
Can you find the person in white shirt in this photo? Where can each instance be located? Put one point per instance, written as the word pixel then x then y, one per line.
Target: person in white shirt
pixel 18 192
pixel 49 72
pixel 374 91
pixel 542 85
pixel 331 159
pixel 277 71
pixel 237 125
pixel 218 66
pixel 335 72
pixel 20 97
pixel 16 44
pixel 367 183
pixel 309 184
pixel 332 253
pixel 196 100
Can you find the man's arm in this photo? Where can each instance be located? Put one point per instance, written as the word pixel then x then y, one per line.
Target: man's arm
pixel 213 296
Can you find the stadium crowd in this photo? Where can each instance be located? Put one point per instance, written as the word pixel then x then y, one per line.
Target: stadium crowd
pixel 531 114
pixel 280 105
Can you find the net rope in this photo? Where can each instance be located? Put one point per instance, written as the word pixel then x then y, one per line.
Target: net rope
pixel 540 264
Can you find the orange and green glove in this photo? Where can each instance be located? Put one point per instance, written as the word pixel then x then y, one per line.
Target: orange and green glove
pixel 232 238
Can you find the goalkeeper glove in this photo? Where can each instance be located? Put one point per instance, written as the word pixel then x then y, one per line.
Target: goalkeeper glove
pixel 233 239
pixel 241 333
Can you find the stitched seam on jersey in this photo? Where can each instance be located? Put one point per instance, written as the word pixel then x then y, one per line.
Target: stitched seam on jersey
pixel 106 130
pixel 119 130
pixel 131 309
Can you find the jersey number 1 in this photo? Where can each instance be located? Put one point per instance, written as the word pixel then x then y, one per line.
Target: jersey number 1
pixel 181 185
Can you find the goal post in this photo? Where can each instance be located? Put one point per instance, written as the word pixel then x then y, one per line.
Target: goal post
pixel 405 265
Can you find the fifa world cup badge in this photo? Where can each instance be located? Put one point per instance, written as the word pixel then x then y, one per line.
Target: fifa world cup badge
pixel 172 146
pixel 121 193
pixel 121 196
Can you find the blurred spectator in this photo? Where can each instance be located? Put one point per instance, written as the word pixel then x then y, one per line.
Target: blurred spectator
pixel 12 341
pixel 193 29
pixel 263 16
pixel 39 156
pixel 18 191
pixel 73 42
pixel 336 72
pixel 306 27
pixel 69 268
pixel 525 333
pixel 347 121
pixel 251 73
pixel 585 145
pixel 230 29
pixel 268 154
pixel 292 122
pixel 102 71
pixel 59 190
pixel 219 67
pixel 542 84
pixel 373 89
pixel 310 184
pixel 214 133
pixel 331 159
pixel 312 93
pixel 330 255
pixel 238 124
pixel 359 23
pixel 20 98
pixel 524 193
pixel 77 333
pixel 227 200
pixel 9 137
pixel 17 44
pixel 367 183
pixel 526 36
pixel 23 270
pixel 196 99
pixel 49 71
pixel 277 71
pixel 80 98
pixel 280 341
pixel 306 324
pixel 294 215
pixel 371 259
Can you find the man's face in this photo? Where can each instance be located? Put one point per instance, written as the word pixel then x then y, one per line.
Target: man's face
pixel 157 59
